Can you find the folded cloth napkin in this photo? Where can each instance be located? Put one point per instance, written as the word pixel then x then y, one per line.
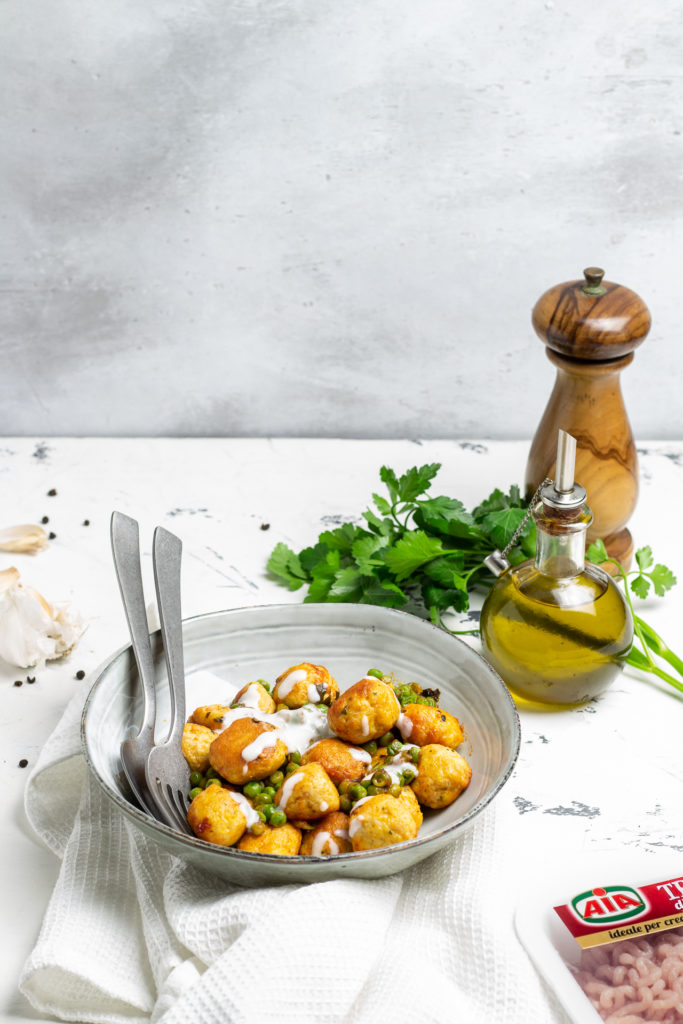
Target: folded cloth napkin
pixel 134 935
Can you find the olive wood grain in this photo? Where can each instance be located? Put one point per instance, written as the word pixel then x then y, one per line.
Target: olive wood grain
pixel 591 328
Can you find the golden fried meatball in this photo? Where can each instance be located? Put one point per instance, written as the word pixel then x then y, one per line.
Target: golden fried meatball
pixel 210 715
pixel 381 820
pixel 307 793
pixel 305 684
pixel 422 724
pixel 246 750
pixel 254 695
pixel 283 841
pixel 340 760
pixel 329 837
pixel 216 817
pixel 443 775
pixel 195 746
pixel 409 800
pixel 365 711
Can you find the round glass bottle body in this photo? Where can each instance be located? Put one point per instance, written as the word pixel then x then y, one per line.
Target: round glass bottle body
pixel 556 630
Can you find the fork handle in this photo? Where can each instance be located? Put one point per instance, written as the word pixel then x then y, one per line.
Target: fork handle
pixel 125 543
pixel 167 553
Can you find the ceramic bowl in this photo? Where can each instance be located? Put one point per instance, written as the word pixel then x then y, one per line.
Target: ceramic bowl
pixel 249 643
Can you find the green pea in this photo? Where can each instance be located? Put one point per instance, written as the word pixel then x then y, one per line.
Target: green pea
pixel 295 757
pixel 395 790
pixel 212 782
pixel 323 707
pixel 345 803
pixel 260 799
pixel 376 672
pixel 258 828
pixel 357 792
pixel 269 791
pixel 262 816
pixel 281 706
pixel 289 768
pixel 211 773
pixel 385 740
pixel 394 747
pixel 344 786
pixel 278 818
pixel 196 778
pixel 269 810
pixel 372 790
pixel 371 747
pixel 252 789
pixel 276 779
pixel 264 683
pixel 414 754
pixel 408 775
pixel 195 792
pixel 381 779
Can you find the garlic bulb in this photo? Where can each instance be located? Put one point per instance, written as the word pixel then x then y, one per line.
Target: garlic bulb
pixel 32 631
pixel 25 539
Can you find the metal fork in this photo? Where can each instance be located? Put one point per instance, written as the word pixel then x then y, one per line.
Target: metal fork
pixel 125 543
pixel 166 769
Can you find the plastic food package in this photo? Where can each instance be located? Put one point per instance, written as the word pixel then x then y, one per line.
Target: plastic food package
pixel 609 941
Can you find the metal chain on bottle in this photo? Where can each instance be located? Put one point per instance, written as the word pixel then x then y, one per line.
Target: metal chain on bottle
pixel 515 535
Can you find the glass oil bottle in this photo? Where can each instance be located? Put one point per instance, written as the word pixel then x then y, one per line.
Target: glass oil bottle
pixel 556 629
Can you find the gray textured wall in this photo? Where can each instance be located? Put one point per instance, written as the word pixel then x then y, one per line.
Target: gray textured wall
pixel 310 217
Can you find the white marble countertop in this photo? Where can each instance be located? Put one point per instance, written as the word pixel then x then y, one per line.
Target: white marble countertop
pixel 576 785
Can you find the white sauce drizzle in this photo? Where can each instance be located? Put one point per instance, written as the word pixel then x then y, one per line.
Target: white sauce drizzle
pixel 287 788
pixel 396 765
pixel 366 725
pixel 360 755
pixel 343 833
pixel 319 843
pixel 355 824
pixel 247 810
pixel 405 726
pixel 250 697
pixel 263 742
pixel 285 687
pixel 324 805
pixel 313 694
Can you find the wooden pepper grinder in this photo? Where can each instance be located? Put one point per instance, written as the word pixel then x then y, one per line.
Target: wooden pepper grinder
pixel 591 328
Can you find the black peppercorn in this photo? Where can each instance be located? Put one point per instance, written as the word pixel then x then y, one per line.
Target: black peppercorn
pixel 52 492
pixel 80 674
pixel 265 526
pixel 45 519
pixel 51 535
pixel 30 679
pixel 86 522
pixel 18 682
pixel 23 762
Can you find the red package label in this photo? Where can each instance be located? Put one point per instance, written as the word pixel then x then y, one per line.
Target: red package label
pixel 611 912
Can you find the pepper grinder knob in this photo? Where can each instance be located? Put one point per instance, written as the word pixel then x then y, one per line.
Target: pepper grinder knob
pixel 590 328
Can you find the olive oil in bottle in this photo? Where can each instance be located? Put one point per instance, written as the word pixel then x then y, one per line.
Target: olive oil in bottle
pixel 556 630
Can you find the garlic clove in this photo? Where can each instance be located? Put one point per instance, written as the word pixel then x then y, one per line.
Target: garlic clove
pixel 8 577
pixel 31 631
pixel 25 539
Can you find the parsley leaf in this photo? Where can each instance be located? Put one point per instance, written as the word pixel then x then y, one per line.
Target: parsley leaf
pixel 285 564
pixel 410 552
pixel 416 481
pixel 643 557
pixel 662 579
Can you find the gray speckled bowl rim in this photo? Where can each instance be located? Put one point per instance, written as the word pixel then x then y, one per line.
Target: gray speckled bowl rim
pixel 243 856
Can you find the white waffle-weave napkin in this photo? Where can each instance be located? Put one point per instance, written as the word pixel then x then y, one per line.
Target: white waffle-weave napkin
pixel 133 935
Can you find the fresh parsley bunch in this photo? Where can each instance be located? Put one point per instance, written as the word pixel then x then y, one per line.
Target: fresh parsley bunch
pixel 410 549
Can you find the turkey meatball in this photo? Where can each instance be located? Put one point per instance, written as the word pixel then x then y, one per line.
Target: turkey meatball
pixel 283 841
pixel 216 817
pixel 247 750
pixel 443 775
pixel 195 746
pixel 305 684
pixel 329 837
pixel 340 760
pixel 307 793
pixel 254 695
pixel 381 820
pixel 422 724
pixel 365 711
